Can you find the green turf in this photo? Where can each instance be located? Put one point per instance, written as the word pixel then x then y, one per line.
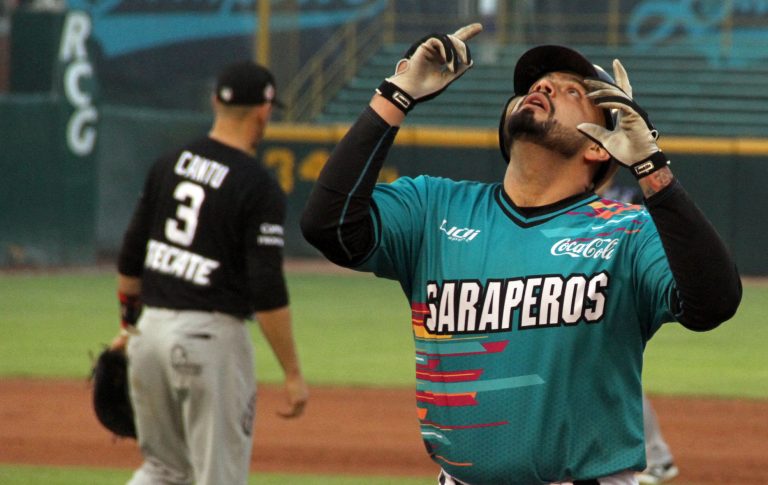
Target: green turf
pixel 33 475
pixel 28 475
pixel 729 361
pixel 351 329
pixel 50 322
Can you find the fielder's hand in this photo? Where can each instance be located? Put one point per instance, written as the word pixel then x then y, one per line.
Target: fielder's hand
pixel 633 142
pixel 428 67
pixel 297 394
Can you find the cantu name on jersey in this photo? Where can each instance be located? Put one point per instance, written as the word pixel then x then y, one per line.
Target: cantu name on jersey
pixel 200 169
pixel 468 306
pixel 170 260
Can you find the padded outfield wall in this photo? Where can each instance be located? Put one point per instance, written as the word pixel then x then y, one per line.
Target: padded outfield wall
pixel 725 176
pixel 48 135
pixel 61 209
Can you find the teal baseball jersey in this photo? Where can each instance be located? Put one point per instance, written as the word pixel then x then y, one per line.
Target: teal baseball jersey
pixel 529 330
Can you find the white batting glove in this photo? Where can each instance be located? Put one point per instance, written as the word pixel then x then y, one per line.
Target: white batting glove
pixel 428 67
pixel 632 142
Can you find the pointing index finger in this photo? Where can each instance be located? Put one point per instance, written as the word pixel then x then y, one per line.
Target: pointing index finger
pixel 468 31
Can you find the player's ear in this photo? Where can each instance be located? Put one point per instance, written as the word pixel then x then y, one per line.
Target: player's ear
pixel 596 153
pixel 262 112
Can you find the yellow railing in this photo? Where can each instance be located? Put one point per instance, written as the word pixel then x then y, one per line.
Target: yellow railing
pixel 334 64
pixel 483 138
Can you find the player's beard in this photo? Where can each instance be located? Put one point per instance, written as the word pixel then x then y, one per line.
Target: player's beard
pixel 522 125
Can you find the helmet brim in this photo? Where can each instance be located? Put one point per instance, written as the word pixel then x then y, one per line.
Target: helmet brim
pixel 538 61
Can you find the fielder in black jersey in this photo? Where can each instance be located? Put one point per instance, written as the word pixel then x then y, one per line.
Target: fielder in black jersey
pixel 532 299
pixel 202 254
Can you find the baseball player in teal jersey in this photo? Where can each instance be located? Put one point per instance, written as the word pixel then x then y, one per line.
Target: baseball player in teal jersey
pixel 532 299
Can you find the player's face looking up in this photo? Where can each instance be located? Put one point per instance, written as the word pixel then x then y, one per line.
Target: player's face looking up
pixel 549 113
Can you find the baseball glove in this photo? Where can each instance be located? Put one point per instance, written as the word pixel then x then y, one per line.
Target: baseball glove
pixel 110 393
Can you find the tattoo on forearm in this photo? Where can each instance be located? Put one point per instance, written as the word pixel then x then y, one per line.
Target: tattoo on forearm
pixel 656 181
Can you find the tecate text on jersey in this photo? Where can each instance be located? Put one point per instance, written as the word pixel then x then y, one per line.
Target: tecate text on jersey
pixel 180 263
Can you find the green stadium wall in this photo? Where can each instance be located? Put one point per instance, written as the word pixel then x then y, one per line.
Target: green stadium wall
pixel 724 176
pixel 48 134
pixel 56 209
pixel 72 166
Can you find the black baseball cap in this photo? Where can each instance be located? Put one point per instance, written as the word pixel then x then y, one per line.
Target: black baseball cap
pixel 246 83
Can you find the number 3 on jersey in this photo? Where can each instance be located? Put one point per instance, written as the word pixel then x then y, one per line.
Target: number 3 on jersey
pixel 182 229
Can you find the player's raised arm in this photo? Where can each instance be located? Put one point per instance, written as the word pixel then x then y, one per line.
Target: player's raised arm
pixel 337 219
pixel 708 286
pixel 428 67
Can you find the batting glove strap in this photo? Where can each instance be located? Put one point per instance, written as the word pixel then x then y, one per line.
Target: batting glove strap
pixel 402 100
pixel 652 164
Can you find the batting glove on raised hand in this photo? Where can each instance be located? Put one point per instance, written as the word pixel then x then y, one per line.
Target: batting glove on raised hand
pixel 428 67
pixel 632 142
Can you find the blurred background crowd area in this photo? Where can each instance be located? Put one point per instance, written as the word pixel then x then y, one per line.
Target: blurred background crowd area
pixel 163 53
pixel 91 91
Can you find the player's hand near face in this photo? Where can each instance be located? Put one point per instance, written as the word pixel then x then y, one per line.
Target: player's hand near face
pixel 633 142
pixel 428 67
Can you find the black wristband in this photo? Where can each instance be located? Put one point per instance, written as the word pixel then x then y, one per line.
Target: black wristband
pixel 130 309
pixel 655 162
pixel 396 96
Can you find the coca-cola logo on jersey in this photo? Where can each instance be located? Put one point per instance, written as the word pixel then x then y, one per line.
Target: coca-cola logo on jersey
pixel 599 248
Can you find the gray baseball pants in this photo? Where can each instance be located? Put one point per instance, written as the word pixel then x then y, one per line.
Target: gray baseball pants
pixel 193 391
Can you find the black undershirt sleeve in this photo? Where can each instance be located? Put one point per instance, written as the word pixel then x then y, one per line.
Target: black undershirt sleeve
pixel 708 286
pixel 337 219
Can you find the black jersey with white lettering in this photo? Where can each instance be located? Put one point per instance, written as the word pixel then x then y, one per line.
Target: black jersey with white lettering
pixel 207 233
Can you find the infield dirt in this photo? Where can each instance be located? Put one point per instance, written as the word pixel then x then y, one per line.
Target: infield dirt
pixel 358 431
